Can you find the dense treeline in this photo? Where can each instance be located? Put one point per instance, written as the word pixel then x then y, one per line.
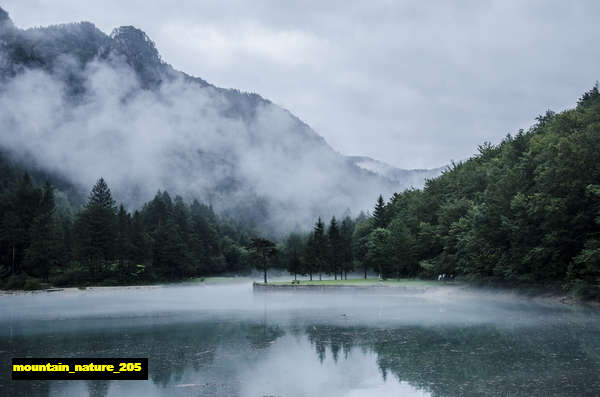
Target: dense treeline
pixel 323 251
pixel 525 210
pixel 42 239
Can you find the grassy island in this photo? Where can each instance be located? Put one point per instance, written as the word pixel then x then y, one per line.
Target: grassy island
pixel 361 282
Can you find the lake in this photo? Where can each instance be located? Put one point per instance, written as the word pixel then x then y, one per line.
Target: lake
pixel 226 340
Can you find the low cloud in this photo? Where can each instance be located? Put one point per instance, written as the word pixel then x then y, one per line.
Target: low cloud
pixel 177 137
pixel 411 83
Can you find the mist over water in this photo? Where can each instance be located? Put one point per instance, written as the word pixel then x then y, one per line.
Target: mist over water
pixel 226 340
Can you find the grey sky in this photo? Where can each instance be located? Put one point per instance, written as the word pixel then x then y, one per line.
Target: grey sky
pixel 415 84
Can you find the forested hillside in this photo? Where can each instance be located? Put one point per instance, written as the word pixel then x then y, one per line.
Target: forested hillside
pixel 526 210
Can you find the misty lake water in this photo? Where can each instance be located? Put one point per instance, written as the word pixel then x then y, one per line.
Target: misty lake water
pixel 226 340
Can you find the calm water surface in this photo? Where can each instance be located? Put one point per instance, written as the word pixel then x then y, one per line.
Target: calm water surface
pixel 228 341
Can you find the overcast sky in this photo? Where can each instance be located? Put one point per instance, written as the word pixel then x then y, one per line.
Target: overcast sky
pixel 412 83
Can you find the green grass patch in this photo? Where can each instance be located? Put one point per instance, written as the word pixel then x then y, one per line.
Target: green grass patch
pixel 403 282
pixel 218 280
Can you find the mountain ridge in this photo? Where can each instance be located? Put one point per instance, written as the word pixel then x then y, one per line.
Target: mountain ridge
pixel 236 149
pixel 408 178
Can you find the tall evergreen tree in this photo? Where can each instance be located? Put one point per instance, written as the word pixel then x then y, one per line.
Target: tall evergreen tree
pixel 139 240
pixel 346 232
pixel 43 251
pixel 360 242
pixel 320 246
pixel 12 233
pixel 335 248
pixel 379 214
pixel 123 244
pixel 294 246
pixel 310 256
pixel 26 205
pixel 96 224
pixel 203 237
pixel 169 253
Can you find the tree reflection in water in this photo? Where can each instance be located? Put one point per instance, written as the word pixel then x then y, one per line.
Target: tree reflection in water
pixel 476 360
pixel 442 360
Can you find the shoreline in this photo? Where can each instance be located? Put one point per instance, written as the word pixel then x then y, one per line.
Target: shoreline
pixel 78 289
pixel 537 294
pixel 525 293
pixel 193 281
pixel 364 287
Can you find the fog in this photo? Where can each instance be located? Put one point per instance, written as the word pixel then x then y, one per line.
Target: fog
pixel 226 340
pixel 432 80
pixel 177 137
pixel 415 306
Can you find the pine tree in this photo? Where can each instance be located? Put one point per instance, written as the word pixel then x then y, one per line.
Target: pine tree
pixel 293 247
pixel 139 239
pixel 25 205
pixel 124 247
pixel 203 237
pixel 157 211
pixel 320 246
pixel 96 226
pixel 310 255
pixel 181 216
pixel 335 248
pixel 294 264
pixel 360 242
pixel 43 251
pixel 346 232
pixel 170 259
pixel 379 215
pixel 12 234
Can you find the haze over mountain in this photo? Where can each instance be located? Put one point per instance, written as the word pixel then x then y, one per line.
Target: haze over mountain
pixel 81 104
pixel 407 178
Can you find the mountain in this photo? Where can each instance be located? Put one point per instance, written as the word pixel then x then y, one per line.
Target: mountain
pixel 405 179
pixel 81 104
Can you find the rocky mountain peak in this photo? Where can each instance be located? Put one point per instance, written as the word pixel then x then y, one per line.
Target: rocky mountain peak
pixel 140 52
pixel 135 44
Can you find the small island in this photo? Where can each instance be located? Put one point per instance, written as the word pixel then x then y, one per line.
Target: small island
pixel 355 283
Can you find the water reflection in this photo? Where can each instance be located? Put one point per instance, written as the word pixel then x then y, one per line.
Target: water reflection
pixel 298 353
pixel 481 360
pixel 214 359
